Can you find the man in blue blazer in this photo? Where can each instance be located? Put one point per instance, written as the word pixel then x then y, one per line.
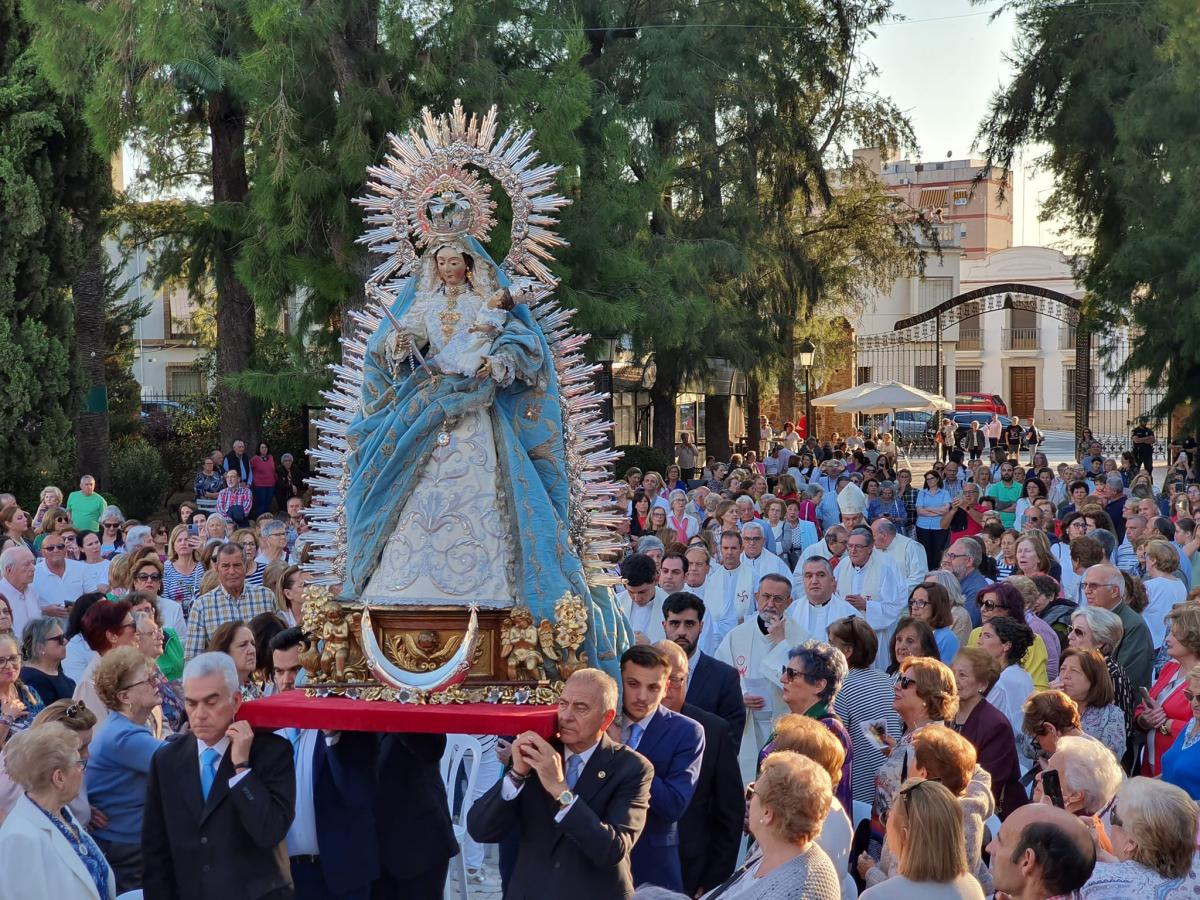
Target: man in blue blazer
pixel 713 686
pixel 331 843
pixel 674 745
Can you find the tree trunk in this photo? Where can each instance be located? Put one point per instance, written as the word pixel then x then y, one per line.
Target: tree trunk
pixel 787 380
pixel 91 417
pixel 716 427
pixel 240 416
pixel 753 405
pixel 662 402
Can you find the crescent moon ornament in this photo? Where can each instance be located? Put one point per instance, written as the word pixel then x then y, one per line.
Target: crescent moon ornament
pixel 452 672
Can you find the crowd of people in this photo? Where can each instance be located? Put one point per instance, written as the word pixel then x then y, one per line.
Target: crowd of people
pixel 839 684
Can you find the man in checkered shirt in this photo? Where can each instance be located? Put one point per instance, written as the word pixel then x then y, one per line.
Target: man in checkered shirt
pixel 231 600
pixel 234 494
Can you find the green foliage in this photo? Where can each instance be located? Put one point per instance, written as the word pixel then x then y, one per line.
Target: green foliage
pixel 40 193
pixel 139 479
pixel 121 314
pixel 648 459
pixel 1114 90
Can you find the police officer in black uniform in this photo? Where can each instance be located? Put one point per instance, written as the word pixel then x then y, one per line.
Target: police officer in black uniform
pixel 1143 446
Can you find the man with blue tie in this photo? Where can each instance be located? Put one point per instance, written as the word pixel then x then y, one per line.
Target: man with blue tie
pixel 578 817
pixel 674 744
pixel 331 844
pixel 219 800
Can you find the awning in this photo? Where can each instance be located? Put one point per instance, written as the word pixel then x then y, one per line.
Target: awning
pixel 932 198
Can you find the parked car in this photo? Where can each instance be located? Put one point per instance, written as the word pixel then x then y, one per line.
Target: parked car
pixel 973 401
pixel 160 408
pixel 910 425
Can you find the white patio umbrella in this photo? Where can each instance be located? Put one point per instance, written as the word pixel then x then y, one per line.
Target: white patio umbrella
pixel 837 398
pixel 892 396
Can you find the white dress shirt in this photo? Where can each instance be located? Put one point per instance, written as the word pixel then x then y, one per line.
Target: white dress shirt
pixel 221 747
pixel 24 604
pixel 509 791
pixel 59 590
pixel 302 835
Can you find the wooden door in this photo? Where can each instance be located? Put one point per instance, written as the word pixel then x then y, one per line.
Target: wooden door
pixel 1023 381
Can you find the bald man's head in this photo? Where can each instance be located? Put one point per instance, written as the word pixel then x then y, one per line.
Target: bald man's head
pixel 1041 851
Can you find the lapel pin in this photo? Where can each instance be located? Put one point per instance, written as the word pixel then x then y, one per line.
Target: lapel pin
pixel 601 774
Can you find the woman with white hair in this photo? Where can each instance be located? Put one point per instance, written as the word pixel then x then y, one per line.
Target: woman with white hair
pixel 1096 628
pixel 1088 775
pixel 1154 840
pixel 44 850
pixel 684 524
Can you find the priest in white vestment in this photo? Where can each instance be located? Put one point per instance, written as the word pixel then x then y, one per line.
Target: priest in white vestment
pixel 756 555
pixel 728 593
pixel 698 569
pixel 642 599
pixel 832 547
pixel 908 555
pixel 758 649
pixel 817 605
pixel 870 582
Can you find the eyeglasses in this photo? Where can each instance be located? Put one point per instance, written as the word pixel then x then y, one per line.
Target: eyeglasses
pixel 6 661
pixel 1190 696
pixel 60 639
pixel 749 791
pixel 917 604
pixel 130 687
pixel 1094 586
pixel 50 548
pixel 1114 818
pixel 75 709
pixel 859 546
pixel 790 675
pixel 1077 631
pixel 904 682
pixel 148 576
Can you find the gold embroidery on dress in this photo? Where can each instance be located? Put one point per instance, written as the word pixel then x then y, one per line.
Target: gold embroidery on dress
pixel 450 315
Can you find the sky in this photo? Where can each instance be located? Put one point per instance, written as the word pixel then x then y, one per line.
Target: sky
pixel 941 65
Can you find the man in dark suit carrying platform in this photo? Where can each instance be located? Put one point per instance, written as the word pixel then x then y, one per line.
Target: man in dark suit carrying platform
pixel 578 818
pixel 674 745
pixel 712 685
pixel 219 801
pixel 711 829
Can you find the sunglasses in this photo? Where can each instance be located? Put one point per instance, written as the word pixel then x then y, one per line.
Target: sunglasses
pixel 60 639
pixel 148 576
pixel 749 791
pixel 1077 631
pixel 988 604
pixel 790 675
pixel 50 548
pixel 904 682
pixel 1190 696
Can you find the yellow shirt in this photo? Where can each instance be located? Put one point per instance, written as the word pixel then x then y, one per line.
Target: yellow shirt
pixel 1034 662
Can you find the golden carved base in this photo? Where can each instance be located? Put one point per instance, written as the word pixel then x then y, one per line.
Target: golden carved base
pixel 513 661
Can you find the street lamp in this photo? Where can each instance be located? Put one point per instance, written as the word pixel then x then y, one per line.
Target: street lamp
pixel 807 352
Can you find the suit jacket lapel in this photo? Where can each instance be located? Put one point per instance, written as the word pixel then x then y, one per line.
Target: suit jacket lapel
pixel 699 675
pixel 66 853
pixel 654 732
pixel 184 771
pixel 593 777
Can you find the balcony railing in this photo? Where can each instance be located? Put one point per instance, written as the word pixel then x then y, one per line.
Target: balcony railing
pixel 1066 337
pixel 970 339
pixel 1021 338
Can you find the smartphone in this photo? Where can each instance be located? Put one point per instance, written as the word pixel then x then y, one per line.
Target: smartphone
pixel 1051 787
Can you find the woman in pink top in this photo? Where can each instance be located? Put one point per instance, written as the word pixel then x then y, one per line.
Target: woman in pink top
pixel 262 473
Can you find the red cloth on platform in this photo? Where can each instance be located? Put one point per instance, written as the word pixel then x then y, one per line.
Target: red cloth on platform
pixel 294 709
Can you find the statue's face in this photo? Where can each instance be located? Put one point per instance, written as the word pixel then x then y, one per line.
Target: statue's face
pixel 451 266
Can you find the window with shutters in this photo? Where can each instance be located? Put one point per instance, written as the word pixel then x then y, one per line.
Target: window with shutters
pixel 967 380
pixel 961 197
pixel 925 378
pixel 184 381
pixel 933 291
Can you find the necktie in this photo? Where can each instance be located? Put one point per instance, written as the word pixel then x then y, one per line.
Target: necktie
pixel 574 766
pixel 635 736
pixel 208 770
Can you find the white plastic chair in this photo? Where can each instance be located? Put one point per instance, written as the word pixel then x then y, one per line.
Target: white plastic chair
pixel 457 748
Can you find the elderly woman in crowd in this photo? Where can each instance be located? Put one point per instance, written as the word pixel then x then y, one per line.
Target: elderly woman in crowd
pixel 1084 678
pixel 1028 589
pixel 866 696
pixel 76 717
pixel 987 728
pixel 18 703
pixel 927 839
pixel 1153 828
pixel 51 499
pixel 146 577
pixel 1096 628
pixel 912 637
pixel 1006 640
pixel 1088 775
pixel 1180 765
pixel 1163 589
pixel 888 506
pixel 236 640
pixel 941 755
pixel 1165 714
pixel 43 647
pixel 150 638
pixel 809 738
pixel 1051 608
pixel 1049 716
pixel 44 850
pixel 1005 600
pixel 182 571
pixel 119 766
pixel 930 603
pixel 56 521
pixel 924 695
pixel 105 627
pixel 811 680
pixel 684 524
pixel 789 801
pixel 216 528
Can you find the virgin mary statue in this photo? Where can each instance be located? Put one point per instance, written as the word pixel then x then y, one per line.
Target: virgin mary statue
pixel 462 472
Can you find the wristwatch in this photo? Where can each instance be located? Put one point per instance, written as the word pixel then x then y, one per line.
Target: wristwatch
pixel 564 800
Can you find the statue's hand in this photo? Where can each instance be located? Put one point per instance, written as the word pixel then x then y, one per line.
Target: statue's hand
pixel 484 371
